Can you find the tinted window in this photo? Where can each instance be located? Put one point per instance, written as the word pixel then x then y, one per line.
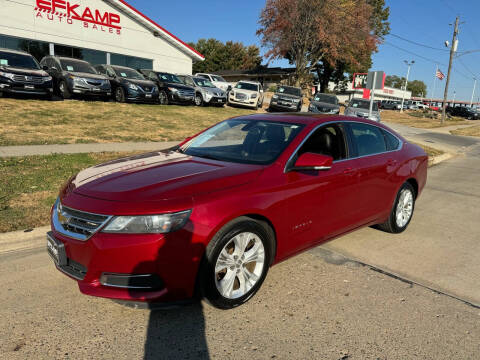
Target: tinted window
pixel 369 139
pixel 131 61
pixel 77 66
pixel 289 90
pixel 392 142
pixel 246 86
pixel 326 99
pixel 18 60
pixel 38 49
pixel 363 104
pixel 127 73
pixel 244 141
pixel 189 81
pixel 328 140
pixel 169 78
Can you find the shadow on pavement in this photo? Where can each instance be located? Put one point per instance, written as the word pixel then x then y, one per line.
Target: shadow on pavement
pixel 176 334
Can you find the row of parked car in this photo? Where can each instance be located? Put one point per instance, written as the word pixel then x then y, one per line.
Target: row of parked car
pixel 65 77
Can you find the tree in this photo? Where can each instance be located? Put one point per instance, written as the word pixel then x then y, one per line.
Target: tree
pixel 417 87
pixel 329 36
pixel 228 56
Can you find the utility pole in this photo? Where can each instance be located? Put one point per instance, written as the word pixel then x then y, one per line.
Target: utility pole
pixel 406 81
pixel 453 49
pixel 473 91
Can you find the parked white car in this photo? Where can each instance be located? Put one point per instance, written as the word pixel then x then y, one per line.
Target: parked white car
pixel 247 93
pixel 216 80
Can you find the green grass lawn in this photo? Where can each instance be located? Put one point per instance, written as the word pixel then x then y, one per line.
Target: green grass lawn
pixel 28 122
pixel 29 186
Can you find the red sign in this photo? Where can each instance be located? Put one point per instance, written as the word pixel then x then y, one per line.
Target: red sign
pixel 360 80
pixel 68 12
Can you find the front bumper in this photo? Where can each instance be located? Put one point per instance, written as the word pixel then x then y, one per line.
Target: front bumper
pixel 133 267
pixel 247 102
pixel 283 107
pixel 216 100
pixel 143 97
pixel 12 87
pixel 181 99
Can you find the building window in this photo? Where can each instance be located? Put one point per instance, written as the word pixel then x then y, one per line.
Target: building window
pixel 131 61
pixel 38 49
pixel 94 57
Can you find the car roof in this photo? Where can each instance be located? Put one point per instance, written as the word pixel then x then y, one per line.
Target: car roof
pixel 20 52
pixel 68 58
pixel 305 118
pixel 249 82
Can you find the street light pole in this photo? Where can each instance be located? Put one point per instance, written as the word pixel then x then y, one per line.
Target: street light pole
pixel 453 49
pixel 473 91
pixel 406 81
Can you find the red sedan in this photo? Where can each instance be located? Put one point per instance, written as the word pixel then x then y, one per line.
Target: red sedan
pixel 211 215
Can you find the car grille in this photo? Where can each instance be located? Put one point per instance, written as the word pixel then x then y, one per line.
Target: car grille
pixel 186 93
pixel 240 96
pixel 28 79
pixel 285 100
pixel 94 82
pixel 74 269
pixel 77 224
pixel 146 88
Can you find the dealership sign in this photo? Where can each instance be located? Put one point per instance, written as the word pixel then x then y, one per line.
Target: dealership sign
pixel 70 13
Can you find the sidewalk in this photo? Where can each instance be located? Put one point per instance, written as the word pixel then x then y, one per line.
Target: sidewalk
pixel 26 150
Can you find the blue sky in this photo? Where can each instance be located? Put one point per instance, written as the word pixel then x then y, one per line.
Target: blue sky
pixel 425 22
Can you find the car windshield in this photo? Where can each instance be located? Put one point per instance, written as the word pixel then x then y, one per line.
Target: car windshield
pixel 18 60
pixel 218 78
pixel 203 82
pixel 169 78
pixel 77 66
pixel 243 141
pixel 127 73
pixel 289 90
pixel 246 86
pixel 362 104
pixel 326 99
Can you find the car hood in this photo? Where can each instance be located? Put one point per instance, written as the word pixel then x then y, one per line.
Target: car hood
pixel 287 96
pixel 178 86
pixel 324 105
pixel 22 71
pixel 159 176
pixel 138 82
pixel 245 91
pixel 360 111
pixel 87 75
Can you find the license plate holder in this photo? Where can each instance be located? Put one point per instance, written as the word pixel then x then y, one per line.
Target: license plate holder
pixel 29 87
pixel 148 95
pixel 56 250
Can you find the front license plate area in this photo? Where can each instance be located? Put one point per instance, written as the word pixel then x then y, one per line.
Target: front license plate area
pixel 148 95
pixel 56 250
pixel 29 87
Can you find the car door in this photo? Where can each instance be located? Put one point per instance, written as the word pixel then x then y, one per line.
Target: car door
pixel 322 204
pixel 376 166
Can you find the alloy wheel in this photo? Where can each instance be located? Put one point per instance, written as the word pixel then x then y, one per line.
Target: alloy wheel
pixel 404 209
pixel 239 265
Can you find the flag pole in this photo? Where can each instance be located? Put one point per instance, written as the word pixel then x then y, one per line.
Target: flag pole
pixel 434 83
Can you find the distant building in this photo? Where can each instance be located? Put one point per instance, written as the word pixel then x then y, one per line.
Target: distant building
pixel 266 76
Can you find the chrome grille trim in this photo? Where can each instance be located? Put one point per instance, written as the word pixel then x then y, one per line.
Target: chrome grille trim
pixel 76 224
pixel 240 96
pixel 26 79
pixel 186 93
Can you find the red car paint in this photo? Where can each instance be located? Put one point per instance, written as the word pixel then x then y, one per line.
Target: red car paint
pixel 304 210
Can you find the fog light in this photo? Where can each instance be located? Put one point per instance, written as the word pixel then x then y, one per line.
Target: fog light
pixel 148 282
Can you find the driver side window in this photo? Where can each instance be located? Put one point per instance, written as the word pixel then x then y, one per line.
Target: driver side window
pixel 329 140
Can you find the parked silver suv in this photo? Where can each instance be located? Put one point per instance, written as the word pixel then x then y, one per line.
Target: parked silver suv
pixel 205 92
pixel 360 108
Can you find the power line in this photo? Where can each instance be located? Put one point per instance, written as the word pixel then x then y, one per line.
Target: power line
pixel 417 43
pixel 466 68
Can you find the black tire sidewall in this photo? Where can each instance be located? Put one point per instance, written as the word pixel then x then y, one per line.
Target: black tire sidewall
pixel 198 96
pixel 163 94
pixel 120 98
pixel 218 242
pixel 393 219
pixel 65 94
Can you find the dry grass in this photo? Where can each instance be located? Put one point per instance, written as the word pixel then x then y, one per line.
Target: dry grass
pixel 64 122
pixel 431 152
pixel 468 131
pixel 415 119
pixel 29 185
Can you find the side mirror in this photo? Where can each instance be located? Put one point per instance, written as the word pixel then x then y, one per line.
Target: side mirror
pixel 312 161
pixel 45 67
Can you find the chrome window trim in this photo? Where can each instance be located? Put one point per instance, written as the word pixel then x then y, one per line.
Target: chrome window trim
pixel 400 142
pixel 59 228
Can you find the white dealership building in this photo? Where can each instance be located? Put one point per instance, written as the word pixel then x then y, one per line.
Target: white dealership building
pixel 98 31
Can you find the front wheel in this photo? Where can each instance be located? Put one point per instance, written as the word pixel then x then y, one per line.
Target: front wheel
pixel 119 95
pixel 63 89
pixel 163 98
pixel 198 100
pixel 236 263
pixel 402 211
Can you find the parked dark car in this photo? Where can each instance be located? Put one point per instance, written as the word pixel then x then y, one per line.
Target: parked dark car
pixel 76 77
pixel 128 85
pixel 286 98
pixel 463 111
pixel 390 105
pixel 170 87
pixel 20 73
pixel 324 104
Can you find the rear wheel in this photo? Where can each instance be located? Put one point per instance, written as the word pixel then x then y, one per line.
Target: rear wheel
pixel 63 89
pixel 402 211
pixel 236 263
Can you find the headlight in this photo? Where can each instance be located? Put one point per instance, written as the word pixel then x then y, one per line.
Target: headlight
pixel 253 96
pixel 275 96
pixel 172 89
pixel 132 86
pixel 7 75
pixel 47 78
pixel 78 80
pixel 148 224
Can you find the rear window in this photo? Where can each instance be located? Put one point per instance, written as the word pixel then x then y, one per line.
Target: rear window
pixel 369 139
pixel 391 141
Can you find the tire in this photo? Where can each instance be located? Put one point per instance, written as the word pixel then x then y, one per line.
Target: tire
pixel 63 90
pixel 163 98
pixel 119 95
pixel 256 105
pixel 225 280
pixel 198 100
pixel 394 225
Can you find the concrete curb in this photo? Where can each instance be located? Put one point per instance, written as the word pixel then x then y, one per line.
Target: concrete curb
pixel 435 160
pixel 21 240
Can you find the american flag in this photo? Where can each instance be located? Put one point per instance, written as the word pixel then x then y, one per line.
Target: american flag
pixel 439 74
